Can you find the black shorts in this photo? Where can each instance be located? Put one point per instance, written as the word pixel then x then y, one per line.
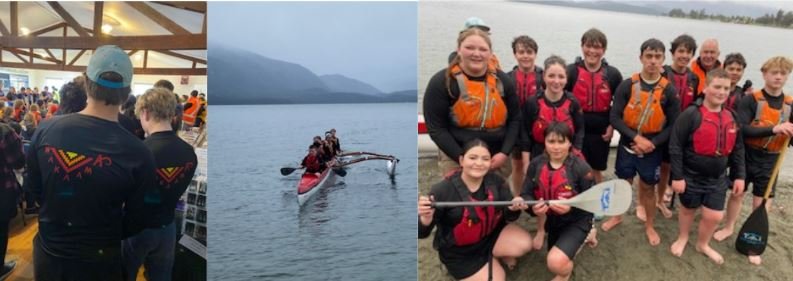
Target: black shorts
pixel 664 153
pixel 758 173
pixel 570 237
pixel 713 200
pixel 596 151
pixel 461 267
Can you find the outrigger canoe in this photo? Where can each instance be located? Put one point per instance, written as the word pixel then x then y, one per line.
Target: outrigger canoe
pixel 310 183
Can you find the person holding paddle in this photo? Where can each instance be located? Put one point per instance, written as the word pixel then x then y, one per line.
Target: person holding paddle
pixel 469 239
pixel 765 120
pixel 706 141
pixel 555 175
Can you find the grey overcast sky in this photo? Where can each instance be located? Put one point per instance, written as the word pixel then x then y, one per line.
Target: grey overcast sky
pixel 374 42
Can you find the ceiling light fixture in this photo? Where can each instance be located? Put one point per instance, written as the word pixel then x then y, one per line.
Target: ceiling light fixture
pixel 25 31
pixel 106 28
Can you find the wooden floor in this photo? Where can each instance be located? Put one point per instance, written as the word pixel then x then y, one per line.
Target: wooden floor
pixel 20 248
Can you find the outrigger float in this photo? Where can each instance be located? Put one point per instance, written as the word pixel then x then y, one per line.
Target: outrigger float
pixel 310 183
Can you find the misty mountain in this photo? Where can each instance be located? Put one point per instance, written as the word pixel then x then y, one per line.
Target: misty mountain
pixel 727 8
pixel 341 83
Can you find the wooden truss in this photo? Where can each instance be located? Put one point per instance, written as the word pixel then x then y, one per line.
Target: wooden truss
pixel 22 47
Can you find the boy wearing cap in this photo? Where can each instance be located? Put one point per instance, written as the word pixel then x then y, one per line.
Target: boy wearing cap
pixel 91 178
pixel 175 165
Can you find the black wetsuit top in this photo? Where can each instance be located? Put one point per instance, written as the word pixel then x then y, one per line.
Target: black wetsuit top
pixel 747 108
pixel 132 125
pixel 90 177
pixel 176 163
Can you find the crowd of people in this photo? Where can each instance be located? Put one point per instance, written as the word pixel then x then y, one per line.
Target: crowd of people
pixel 103 170
pixel 322 153
pixel 688 125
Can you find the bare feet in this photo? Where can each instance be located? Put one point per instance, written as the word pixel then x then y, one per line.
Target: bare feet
pixel 712 254
pixel 652 236
pixel 755 260
pixel 510 262
pixel 722 234
pixel 664 210
pixel 678 247
pixel 640 214
pixel 538 240
pixel 668 196
pixel 611 223
pixel 592 238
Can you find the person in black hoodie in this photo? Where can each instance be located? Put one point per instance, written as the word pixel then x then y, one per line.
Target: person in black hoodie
pixel 705 142
pixel 12 158
pixel 469 239
pixel 175 165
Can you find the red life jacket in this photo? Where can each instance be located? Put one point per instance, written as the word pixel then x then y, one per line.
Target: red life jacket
pixel 716 134
pixel 312 163
pixel 685 84
pixel 733 99
pixel 553 184
pixel 592 90
pixel 527 84
pixel 477 222
pixel 548 114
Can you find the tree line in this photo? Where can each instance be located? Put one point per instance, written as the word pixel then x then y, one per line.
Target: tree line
pixel 780 19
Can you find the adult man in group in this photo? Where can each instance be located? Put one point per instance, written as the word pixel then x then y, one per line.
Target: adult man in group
pixel 708 59
pixel 91 177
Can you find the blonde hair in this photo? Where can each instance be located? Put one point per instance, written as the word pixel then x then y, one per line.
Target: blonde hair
pixel 30 119
pixel 463 35
pixel 778 62
pixel 18 104
pixel 34 107
pixel 160 104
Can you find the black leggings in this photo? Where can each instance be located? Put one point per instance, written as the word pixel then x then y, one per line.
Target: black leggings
pixel 3 239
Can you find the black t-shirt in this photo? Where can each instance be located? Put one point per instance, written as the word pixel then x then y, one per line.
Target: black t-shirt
pixel 175 163
pixel 132 125
pixel 90 177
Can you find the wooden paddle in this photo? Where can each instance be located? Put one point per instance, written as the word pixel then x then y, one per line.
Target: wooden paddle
pixel 288 170
pixel 753 237
pixel 608 198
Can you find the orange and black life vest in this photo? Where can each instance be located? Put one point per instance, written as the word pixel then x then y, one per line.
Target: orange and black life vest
pixel 592 90
pixel 644 112
pixel 480 105
pixel 765 116
pixel 716 134
pixel 477 222
pixel 548 114
pixel 701 74
pixel 191 113
pixel 685 84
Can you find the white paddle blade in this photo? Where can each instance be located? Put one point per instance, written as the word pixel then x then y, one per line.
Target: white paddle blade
pixel 609 198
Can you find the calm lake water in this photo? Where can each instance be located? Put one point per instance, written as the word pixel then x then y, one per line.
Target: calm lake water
pixel 558 30
pixel 361 229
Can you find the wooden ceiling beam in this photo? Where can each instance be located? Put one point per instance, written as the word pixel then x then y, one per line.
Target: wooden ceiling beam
pixel 159 18
pixel 68 18
pixel 193 6
pixel 50 54
pixel 3 29
pixel 24 61
pixel 33 55
pixel 98 12
pixel 139 71
pixel 181 56
pixel 75 58
pixel 150 42
pixel 14 18
pixel 132 52
pixel 48 29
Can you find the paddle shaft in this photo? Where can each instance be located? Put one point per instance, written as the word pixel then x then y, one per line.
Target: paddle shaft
pixel 775 172
pixel 493 203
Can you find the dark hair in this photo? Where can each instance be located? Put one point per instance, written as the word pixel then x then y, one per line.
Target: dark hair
pixel 194 93
pixel 474 143
pixel 164 84
pixel 73 97
pixel 526 42
pixel 554 59
pixel 594 35
pixel 735 58
pixel 128 107
pixel 652 44
pixel 717 72
pixel 686 41
pixel 108 95
pixel 560 129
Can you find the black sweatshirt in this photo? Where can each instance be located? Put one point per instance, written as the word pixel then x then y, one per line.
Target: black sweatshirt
pixel 669 101
pixel 176 163
pixel 11 157
pixel 702 173
pixel 90 177
pixel 532 110
pixel 447 137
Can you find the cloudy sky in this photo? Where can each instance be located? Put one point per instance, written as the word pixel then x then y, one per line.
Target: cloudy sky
pixel 374 42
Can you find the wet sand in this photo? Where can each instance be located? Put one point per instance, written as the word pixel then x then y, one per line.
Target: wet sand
pixel 624 253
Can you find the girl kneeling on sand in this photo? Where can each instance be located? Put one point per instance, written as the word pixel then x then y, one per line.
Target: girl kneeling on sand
pixel 469 239
pixel 552 176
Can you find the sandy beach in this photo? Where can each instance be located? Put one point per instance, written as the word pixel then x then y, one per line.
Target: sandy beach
pixel 624 253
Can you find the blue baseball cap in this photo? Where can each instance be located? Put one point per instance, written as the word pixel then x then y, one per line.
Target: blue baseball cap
pixel 110 58
pixel 476 22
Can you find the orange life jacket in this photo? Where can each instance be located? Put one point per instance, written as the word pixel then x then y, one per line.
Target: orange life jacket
pixel 189 114
pixel 644 112
pixel 481 104
pixel 765 116
pixel 701 74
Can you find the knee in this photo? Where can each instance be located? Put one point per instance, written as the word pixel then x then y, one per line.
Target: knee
pixel 558 263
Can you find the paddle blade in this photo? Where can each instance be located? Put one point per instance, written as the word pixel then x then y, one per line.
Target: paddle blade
pixel 391 168
pixel 608 198
pixel 287 170
pixel 753 236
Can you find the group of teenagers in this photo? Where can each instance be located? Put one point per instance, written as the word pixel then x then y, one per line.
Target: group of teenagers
pixel 321 153
pixel 688 125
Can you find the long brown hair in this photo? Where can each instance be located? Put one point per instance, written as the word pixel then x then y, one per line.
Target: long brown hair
pixel 463 35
